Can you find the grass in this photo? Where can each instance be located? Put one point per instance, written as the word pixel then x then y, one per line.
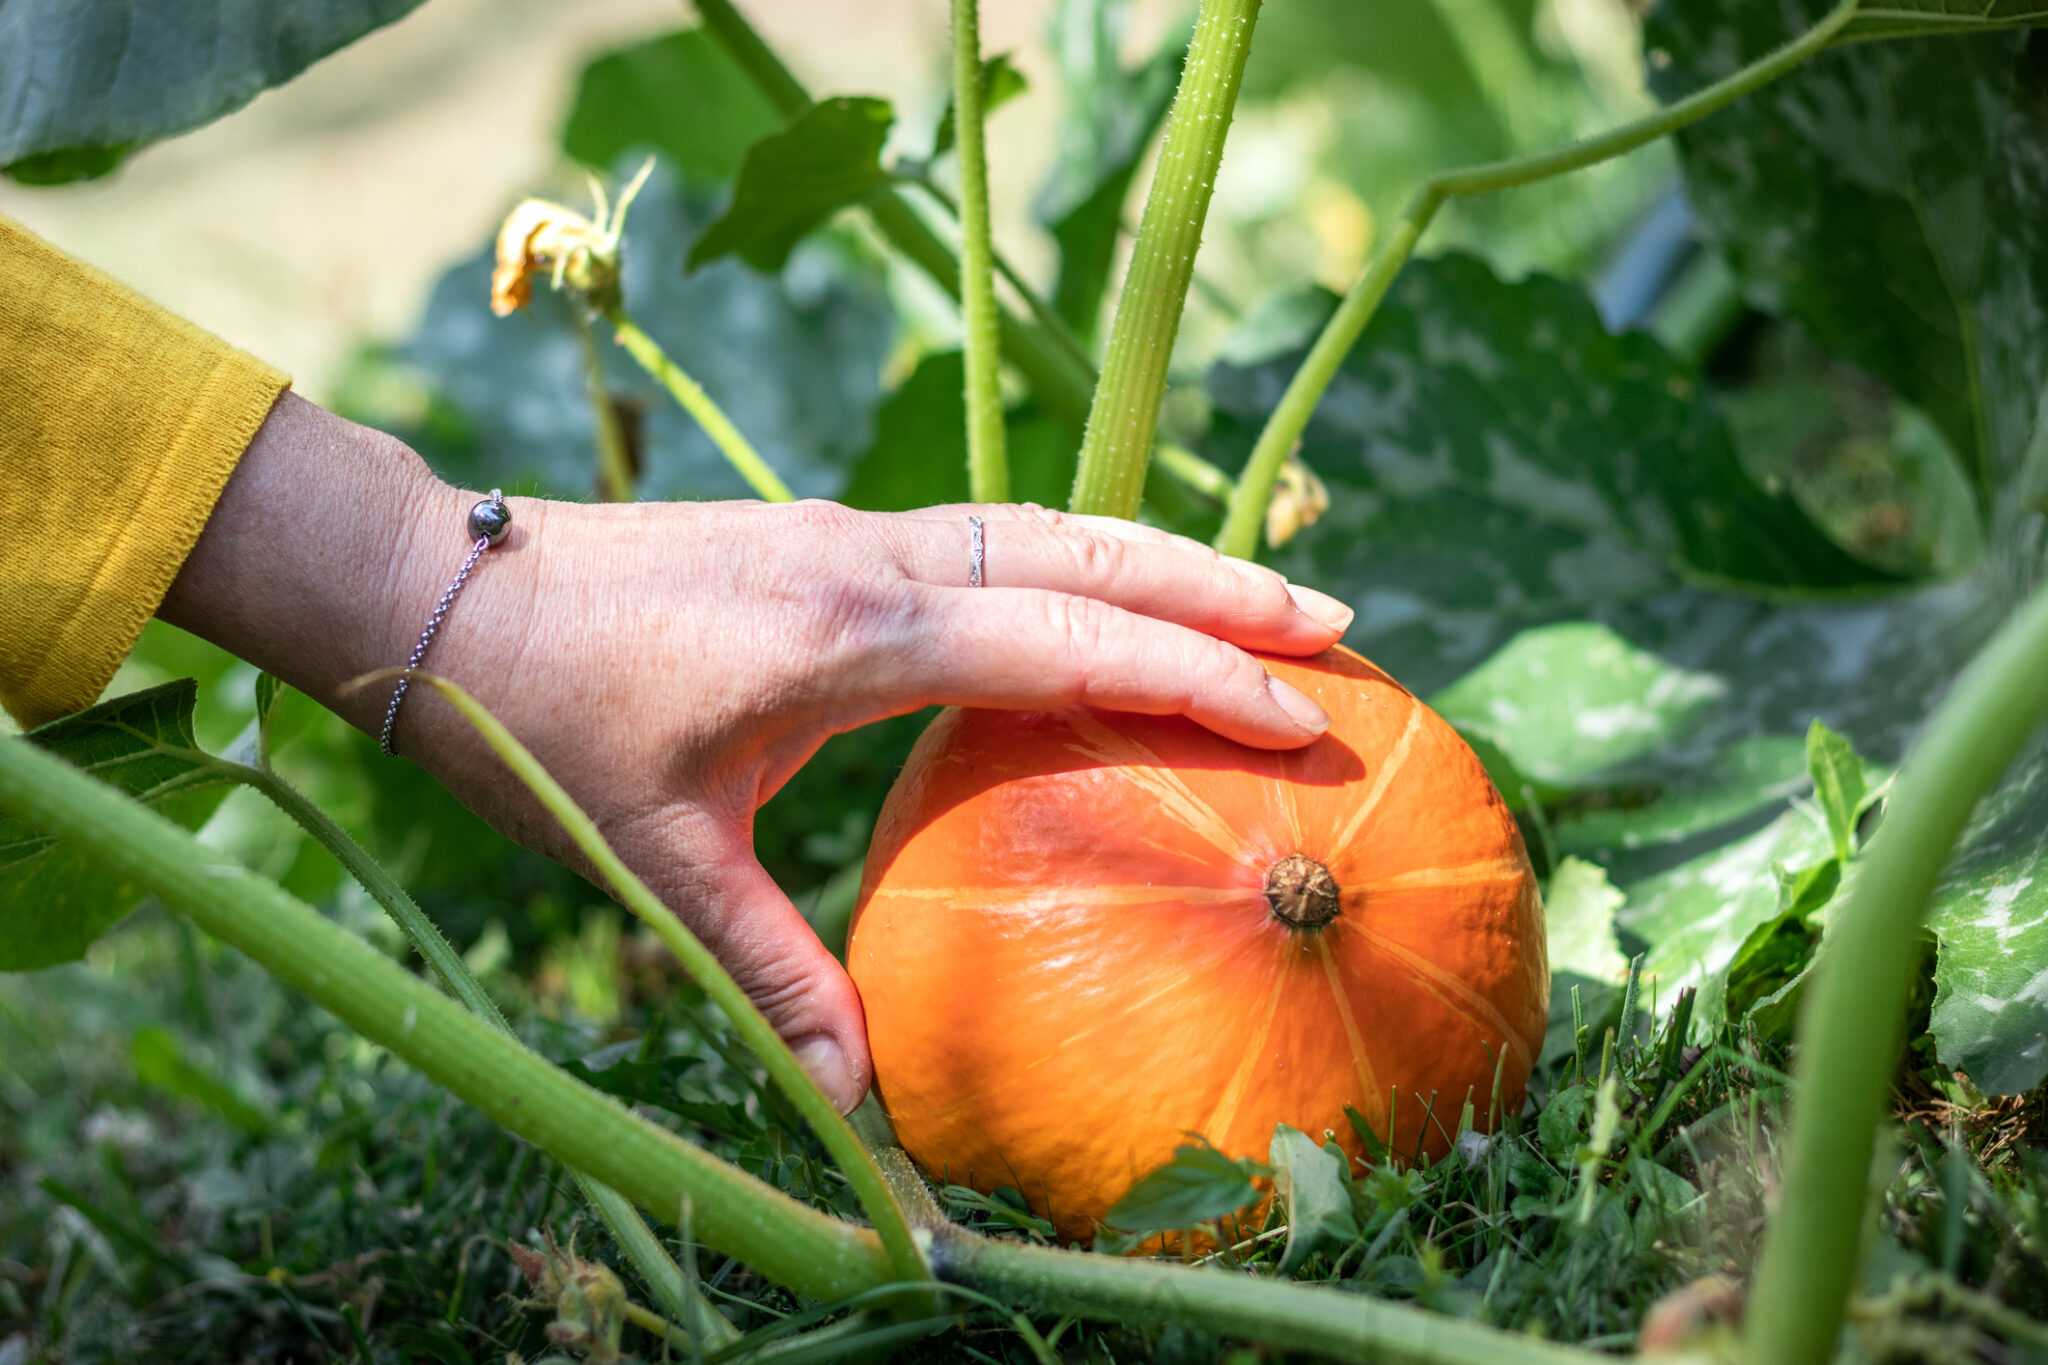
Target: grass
pixel 195 1165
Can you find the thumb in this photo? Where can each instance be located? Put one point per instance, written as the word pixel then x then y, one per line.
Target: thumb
pixel 739 912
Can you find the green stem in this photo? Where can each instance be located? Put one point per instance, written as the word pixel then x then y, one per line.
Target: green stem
pixel 587 1131
pixel 1194 471
pixel 1293 1317
pixel 1061 380
pixel 1850 1028
pixel 614 468
pixel 1240 533
pixel 1118 443
pixel 988 470
pixel 617 1214
pixel 906 1261
pixel 699 405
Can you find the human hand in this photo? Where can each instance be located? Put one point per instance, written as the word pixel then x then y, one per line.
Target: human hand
pixel 672 664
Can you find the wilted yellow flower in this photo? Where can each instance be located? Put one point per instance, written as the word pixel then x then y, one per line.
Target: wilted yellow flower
pixel 576 253
pixel 1299 499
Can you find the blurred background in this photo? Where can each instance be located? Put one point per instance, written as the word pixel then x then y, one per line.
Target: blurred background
pixel 318 217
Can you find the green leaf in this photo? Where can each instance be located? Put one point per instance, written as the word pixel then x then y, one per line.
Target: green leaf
pixel 1578 915
pixel 53 901
pixel 1313 1185
pixel 1109 119
pixel 1001 82
pixel 1199 1185
pixel 679 95
pixel 1698 915
pixel 1990 917
pixel 1562 1123
pixel 919 457
pixel 501 401
pixel 1749 775
pixel 1496 459
pixel 1906 197
pixel 1775 953
pixel 1951 18
pixel 792 180
pixel 1837 784
pixel 85 82
pixel 1566 702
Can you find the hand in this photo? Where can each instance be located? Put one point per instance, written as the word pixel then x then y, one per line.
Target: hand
pixel 672 664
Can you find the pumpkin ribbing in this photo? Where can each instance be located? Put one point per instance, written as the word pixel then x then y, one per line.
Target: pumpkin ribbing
pixel 1082 936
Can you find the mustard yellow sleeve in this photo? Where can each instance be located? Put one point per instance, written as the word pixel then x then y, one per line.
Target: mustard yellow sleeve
pixel 119 426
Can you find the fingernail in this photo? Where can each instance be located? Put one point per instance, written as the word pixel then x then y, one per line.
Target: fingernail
pixel 1321 606
pixel 825 1062
pixel 1298 707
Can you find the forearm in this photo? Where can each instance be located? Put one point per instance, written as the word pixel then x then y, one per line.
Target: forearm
pixel 323 557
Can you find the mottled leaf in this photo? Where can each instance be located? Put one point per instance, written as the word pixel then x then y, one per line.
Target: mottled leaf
pixel 795 361
pixel 1496 459
pixel 54 900
pixel 1312 1185
pixel 793 179
pixel 81 83
pixel 1697 915
pixel 679 95
pixel 1906 196
pixel 1199 1185
pixel 1748 776
pixel 1569 701
pixel 1579 906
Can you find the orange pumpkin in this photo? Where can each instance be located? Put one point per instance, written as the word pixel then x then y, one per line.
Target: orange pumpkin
pixel 1083 936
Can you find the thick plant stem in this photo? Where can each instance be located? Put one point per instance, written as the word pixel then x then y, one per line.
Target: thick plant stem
pixel 1061 380
pixel 699 405
pixel 1118 444
pixel 613 1209
pixel 1294 1317
pixel 869 1185
pixel 988 470
pixel 1850 1030
pixel 1240 533
pixel 614 467
pixel 521 1092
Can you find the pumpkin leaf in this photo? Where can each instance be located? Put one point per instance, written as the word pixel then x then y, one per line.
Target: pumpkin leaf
pixel 502 401
pixel 919 455
pixel 1914 164
pixel 1578 914
pixel 1567 702
pixel 1199 1185
pixel 1748 776
pixel 793 179
pixel 1313 1185
pixel 86 84
pixel 1497 460
pixel 1001 82
pixel 1951 18
pixel 680 95
pixel 55 901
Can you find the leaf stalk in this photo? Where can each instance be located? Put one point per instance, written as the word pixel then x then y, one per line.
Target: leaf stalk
pixel 1125 415
pixel 699 404
pixel 988 473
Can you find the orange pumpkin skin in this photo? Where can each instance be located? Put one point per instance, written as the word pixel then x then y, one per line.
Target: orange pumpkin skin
pixel 1069 961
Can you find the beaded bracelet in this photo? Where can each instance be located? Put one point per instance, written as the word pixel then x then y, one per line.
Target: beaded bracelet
pixel 489 521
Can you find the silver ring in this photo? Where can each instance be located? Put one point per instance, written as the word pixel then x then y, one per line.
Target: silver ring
pixel 977 551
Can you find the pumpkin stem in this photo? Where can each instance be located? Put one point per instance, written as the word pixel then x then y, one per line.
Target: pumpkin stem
pixel 1302 892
